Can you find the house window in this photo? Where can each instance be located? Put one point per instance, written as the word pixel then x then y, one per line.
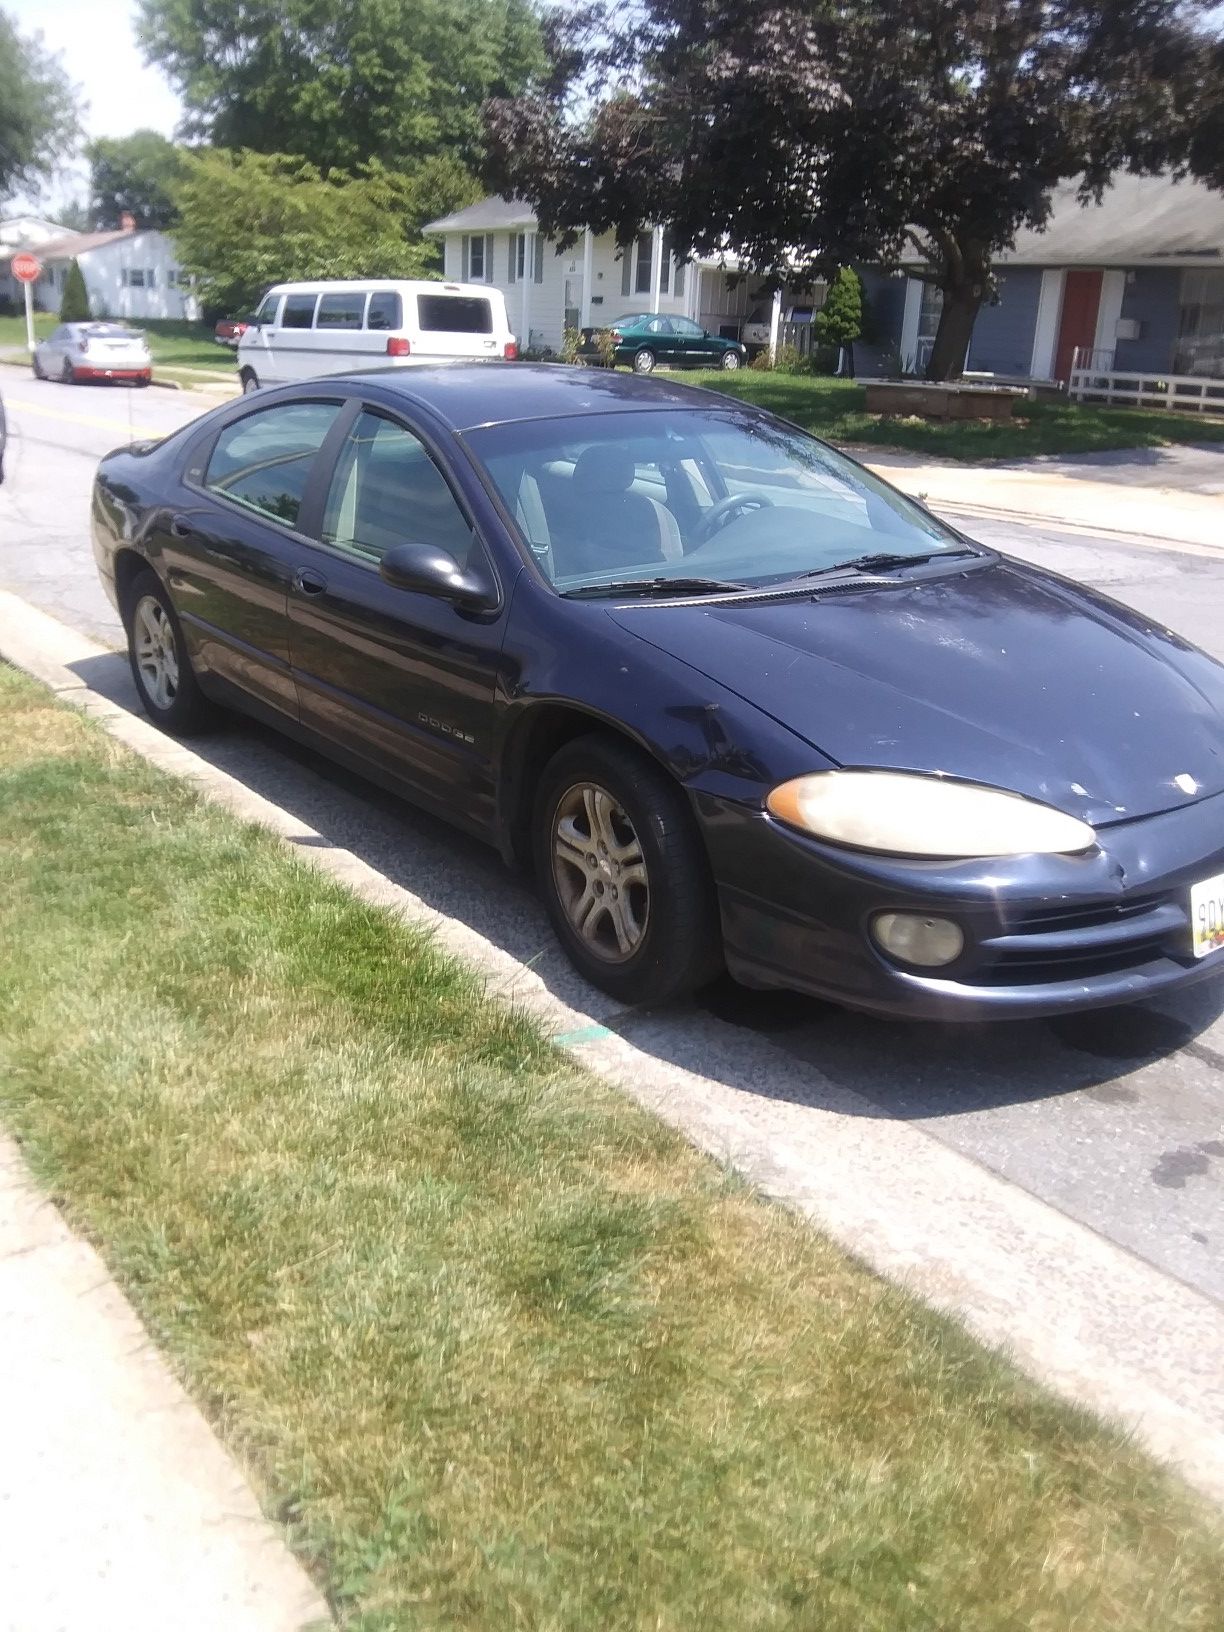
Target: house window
pixel 670 249
pixel 1200 325
pixel 643 257
pixel 139 277
pixel 478 258
pixel 928 323
pixel 518 256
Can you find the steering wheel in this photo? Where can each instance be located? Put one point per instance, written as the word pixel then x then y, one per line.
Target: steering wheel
pixel 722 512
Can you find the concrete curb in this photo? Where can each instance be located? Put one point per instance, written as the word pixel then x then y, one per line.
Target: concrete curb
pixel 1084 1316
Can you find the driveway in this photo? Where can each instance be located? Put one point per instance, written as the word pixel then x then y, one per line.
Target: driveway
pixel 1116 1119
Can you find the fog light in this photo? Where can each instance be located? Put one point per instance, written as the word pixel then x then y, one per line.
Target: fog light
pixel 914 938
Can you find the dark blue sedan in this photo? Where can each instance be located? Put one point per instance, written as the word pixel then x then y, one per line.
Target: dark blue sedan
pixel 735 701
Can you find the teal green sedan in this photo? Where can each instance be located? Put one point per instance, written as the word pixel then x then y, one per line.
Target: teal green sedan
pixel 648 340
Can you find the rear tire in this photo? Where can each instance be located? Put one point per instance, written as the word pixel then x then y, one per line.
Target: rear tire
pixel 623 873
pixel 68 374
pixel 250 381
pixel 161 668
pixel 644 361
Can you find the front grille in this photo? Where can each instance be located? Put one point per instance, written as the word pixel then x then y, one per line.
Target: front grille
pixel 1055 944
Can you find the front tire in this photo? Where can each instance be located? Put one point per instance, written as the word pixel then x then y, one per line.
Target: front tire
pixel 37 367
pixel 730 359
pixel 623 873
pixel 161 668
pixel 250 381
pixel 644 361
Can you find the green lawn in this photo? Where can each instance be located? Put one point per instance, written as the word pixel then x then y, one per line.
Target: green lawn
pixel 834 409
pixel 173 344
pixel 500 1349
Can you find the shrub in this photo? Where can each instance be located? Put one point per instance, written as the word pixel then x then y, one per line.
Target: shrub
pixel 605 345
pixel 839 322
pixel 74 303
pixel 570 341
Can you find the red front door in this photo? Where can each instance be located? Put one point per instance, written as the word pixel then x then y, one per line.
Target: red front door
pixel 1077 325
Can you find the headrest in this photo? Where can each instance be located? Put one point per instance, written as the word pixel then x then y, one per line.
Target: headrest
pixel 604 467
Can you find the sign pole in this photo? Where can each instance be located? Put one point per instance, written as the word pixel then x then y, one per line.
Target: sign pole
pixel 29 306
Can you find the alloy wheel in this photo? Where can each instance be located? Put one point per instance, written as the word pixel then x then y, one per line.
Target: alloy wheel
pixel 600 872
pixel 156 652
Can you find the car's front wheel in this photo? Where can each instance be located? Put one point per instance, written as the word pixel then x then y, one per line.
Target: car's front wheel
pixel 623 873
pixel 731 359
pixel 644 361
pixel 37 367
pixel 161 667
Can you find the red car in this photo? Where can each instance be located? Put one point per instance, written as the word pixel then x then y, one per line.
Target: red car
pixel 229 331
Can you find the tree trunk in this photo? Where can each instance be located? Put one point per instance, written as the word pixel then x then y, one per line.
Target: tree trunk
pixel 960 308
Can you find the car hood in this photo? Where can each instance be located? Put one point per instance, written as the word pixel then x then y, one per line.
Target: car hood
pixel 1000 674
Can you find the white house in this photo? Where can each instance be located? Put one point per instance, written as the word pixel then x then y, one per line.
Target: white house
pixel 498 242
pixel 22 232
pixel 129 272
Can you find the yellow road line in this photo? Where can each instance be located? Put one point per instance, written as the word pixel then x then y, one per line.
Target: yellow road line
pixel 20 405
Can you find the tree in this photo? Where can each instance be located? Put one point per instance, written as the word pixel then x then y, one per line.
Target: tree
pixel 839 322
pixel 247 220
pixel 823 132
pixel 74 302
pixel 132 175
pixel 38 122
pixel 341 82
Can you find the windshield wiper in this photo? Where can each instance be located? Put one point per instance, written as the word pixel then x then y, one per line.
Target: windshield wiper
pixel 651 586
pixel 882 560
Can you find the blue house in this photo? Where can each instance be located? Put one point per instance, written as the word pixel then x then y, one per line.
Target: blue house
pixel 1131 287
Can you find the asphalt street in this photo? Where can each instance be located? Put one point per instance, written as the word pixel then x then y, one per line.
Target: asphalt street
pixel 1116 1118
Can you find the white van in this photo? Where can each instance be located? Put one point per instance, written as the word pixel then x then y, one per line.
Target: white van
pixel 302 330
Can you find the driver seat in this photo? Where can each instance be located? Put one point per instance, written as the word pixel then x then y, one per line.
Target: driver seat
pixel 597 523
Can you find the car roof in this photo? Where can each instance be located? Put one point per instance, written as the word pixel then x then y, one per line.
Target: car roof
pixel 467 395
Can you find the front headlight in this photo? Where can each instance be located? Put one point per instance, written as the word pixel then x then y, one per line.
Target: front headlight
pixel 900 814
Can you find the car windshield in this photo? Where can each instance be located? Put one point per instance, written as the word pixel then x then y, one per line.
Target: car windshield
pixel 725 495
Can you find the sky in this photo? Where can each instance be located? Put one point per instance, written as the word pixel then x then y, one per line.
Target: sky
pixel 97 45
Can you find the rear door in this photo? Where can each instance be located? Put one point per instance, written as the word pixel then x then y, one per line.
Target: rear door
pixel 229 547
pixel 455 323
pixel 403 681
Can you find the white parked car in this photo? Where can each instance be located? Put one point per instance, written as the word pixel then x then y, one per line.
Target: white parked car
pixel 93 351
pixel 302 330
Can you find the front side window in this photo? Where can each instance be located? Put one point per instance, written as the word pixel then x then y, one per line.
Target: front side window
pixel 386 491
pixel 341 311
pixel 264 460
pixel 267 311
pixel 385 311
pixel 687 328
pixel 606 497
pixel 299 311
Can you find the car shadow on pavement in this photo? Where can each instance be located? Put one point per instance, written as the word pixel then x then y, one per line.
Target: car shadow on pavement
pixel 851 1063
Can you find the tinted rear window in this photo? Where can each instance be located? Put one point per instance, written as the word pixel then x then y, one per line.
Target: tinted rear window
pixel 386 311
pixel 298 312
pixel 455 314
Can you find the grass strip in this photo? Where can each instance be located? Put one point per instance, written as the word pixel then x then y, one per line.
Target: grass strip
pixel 834 410
pixel 498 1347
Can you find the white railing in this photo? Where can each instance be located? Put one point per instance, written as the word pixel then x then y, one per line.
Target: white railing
pixel 1186 393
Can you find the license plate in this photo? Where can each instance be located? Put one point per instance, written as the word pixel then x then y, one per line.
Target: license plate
pixel 1207 915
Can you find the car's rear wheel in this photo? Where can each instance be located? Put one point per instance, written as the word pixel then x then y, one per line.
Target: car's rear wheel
pixel 623 874
pixel 68 373
pixel 250 381
pixel 161 667
pixel 644 361
pixel 731 359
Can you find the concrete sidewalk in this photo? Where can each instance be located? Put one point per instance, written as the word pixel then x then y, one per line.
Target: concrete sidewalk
pixel 1175 495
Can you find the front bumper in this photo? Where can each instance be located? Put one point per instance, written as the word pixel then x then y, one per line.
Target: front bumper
pixel 1043 934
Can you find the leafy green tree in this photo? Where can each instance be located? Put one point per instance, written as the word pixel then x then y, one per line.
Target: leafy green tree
pixel 839 322
pixel 132 175
pixel 342 82
pixel 818 133
pixel 38 122
pixel 247 220
pixel 74 302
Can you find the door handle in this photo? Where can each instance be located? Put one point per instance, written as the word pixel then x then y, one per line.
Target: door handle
pixel 180 527
pixel 309 581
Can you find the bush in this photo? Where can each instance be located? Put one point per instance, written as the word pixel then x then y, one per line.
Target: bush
pixel 839 322
pixel 570 341
pixel 605 345
pixel 74 303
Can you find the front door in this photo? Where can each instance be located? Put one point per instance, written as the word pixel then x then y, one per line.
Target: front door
pixel 401 680
pixel 573 302
pixel 1077 325
pixel 229 547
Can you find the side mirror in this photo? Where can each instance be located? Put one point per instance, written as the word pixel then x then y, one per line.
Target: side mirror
pixel 431 571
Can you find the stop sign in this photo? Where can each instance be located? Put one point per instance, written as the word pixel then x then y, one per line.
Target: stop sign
pixel 26 268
